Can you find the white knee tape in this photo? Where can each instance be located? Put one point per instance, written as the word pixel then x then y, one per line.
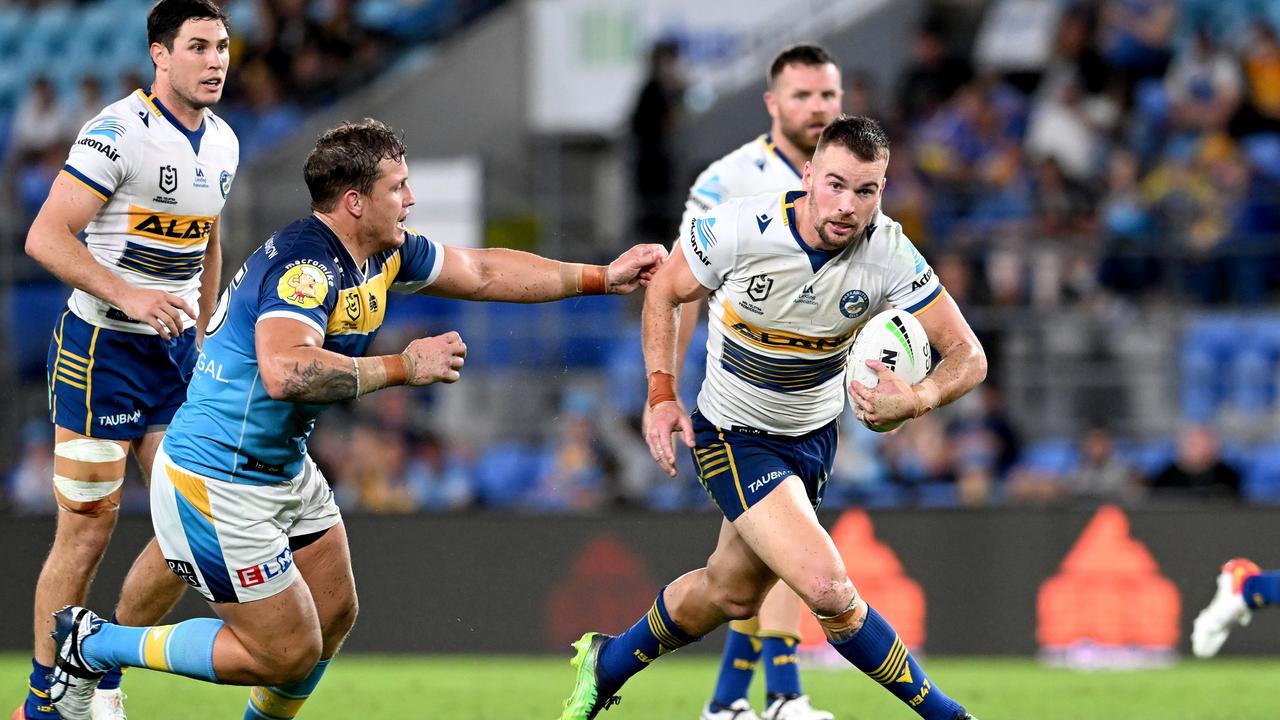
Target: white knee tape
pixel 89 450
pixel 83 491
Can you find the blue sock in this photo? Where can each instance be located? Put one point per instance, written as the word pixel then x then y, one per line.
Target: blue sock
pixel 282 702
pixel 1261 590
pixel 877 651
pixel 112 679
pixel 652 636
pixel 182 649
pixel 741 653
pixel 37 706
pixel 781 673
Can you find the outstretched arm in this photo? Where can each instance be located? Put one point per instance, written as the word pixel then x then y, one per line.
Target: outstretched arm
pixel 672 286
pixel 296 367
pixel 514 276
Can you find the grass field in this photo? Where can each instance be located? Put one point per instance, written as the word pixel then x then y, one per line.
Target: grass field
pixel 515 688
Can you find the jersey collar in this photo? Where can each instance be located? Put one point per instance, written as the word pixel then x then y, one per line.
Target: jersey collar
pixel 772 147
pixel 817 258
pixel 193 136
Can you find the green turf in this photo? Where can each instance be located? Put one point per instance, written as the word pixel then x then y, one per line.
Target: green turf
pixel 511 688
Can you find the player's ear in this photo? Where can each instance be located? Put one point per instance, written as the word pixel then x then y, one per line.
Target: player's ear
pixel 351 199
pixel 160 56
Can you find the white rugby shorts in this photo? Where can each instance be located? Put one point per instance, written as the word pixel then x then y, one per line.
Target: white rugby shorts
pixel 229 540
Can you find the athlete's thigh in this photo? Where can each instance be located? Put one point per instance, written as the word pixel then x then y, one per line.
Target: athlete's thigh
pixel 782 529
pixel 88 473
pixel 734 566
pixel 144 450
pixel 271 625
pixel 326 566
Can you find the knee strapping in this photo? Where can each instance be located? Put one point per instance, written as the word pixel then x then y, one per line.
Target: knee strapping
pixel 843 625
pixel 88 497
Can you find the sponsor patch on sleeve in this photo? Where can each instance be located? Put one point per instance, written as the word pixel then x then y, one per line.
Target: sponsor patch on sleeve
pixel 304 285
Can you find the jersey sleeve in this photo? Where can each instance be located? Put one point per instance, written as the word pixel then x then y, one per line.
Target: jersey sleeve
pixel 106 154
pixel 912 286
pixel 708 191
pixel 420 263
pixel 710 244
pixel 301 286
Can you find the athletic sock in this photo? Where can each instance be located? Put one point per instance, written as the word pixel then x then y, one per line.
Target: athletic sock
pixel 781 673
pixel 737 665
pixel 876 650
pixel 1261 590
pixel 182 649
pixel 652 636
pixel 282 702
pixel 37 705
pixel 111 680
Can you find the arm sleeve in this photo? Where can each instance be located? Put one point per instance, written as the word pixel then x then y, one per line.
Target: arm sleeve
pixel 913 286
pixel 708 191
pixel 710 244
pixel 106 154
pixel 420 263
pixel 299 286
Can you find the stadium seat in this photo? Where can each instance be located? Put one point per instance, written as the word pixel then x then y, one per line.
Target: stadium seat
pixel 505 473
pixel 1052 456
pixel 1262 474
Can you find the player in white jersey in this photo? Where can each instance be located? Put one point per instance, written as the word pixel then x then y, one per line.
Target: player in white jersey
pixel 790 278
pixel 146 179
pixel 803 95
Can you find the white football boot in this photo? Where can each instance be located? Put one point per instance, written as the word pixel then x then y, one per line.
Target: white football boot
pixel 739 709
pixel 73 680
pixel 1226 610
pixel 108 705
pixel 795 708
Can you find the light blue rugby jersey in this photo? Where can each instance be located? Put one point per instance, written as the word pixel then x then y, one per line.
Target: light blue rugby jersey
pixel 229 428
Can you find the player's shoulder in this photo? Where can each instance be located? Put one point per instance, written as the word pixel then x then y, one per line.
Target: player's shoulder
pixel 889 242
pixel 122 121
pixel 220 129
pixel 303 240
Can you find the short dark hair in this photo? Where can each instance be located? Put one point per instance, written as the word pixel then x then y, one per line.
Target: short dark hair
pixel 167 17
pixel 347 157
pixel 809 55
pixel 861 136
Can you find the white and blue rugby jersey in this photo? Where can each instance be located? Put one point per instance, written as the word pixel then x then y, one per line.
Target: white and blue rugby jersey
pixel 229 428
pixel 756 167
pixel 164 186
pixel 783 315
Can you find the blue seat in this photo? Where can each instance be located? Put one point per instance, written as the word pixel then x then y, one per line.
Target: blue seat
pixel 1262 474
pixel 505 473
pixel 1053 456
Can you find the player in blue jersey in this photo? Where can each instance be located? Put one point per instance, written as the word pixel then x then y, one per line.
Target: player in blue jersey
pixel 790 277
pixel 241 513
pixel 146 180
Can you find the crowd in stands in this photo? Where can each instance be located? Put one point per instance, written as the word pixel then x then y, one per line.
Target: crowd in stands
pixel 1135 160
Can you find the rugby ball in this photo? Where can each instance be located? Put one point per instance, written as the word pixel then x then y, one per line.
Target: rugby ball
pixel 898 340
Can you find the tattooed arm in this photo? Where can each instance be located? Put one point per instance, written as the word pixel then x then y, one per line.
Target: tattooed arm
pixel 294 365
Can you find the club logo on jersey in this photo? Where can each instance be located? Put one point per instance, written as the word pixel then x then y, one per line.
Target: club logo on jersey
pixel 304 285
pixel 224 183
pixel 168 179
pixel 758 287
pixel 200 180
pixel 351 303
pixel 170 229
pixel 854 303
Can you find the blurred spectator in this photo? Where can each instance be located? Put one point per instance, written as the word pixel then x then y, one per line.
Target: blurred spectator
pixel 1136 36
pixel 653 123
pixel 919 453
pixel 29 484
pixel 1198 471
pixel 88 103
pixel 581 472
pixel 1070 129
pixel 1103 476
pixel 39 122
pixel 1204 85
pixel 1131 246
pixel 933 75
pixel 437 479
pixel 1261 109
